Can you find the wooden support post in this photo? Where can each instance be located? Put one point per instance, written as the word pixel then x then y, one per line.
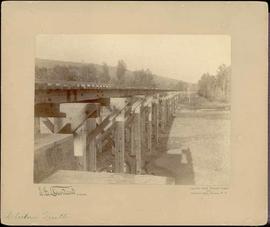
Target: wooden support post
pixel 58 124
pixel 168 108
pixel 84 148
pixel 120 144
pixel 37 125
pixel 127 137
pixel 155 122
pixel 145 129
pixel 149 128
pixel 132 140
pixel 163 115
pixel 142 129
pixel 99 141
pixel 167 111
pixel 91 149
pixel 80 151
pixel 174 98
pixel 137 140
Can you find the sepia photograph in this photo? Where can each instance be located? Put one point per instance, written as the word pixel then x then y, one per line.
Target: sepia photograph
pixel 132 109
pixel 134 113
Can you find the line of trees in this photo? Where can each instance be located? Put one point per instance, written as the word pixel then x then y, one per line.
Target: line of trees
pixel 85 72
pixel 216 87
pixel 92 73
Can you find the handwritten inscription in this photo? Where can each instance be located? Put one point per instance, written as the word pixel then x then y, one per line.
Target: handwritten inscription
pixel 27 216
pixel 56 190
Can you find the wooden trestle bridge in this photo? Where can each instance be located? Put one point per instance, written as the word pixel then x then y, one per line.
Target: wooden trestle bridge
pixel 90 117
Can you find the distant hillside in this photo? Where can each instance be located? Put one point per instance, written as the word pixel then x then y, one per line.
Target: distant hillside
pixel 161 82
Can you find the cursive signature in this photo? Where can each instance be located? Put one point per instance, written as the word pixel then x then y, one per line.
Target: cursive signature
pixel 56 190
pixel 27 216
pixel 20 215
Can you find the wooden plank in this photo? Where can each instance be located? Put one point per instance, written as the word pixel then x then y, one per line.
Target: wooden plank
pixel 149 129
pixel 163 112
pixel 80 147
pixel 101 101
pixel 155 122
pixel 48 110
pixel 132 135
pixel 55 95
pixel 143 129
pixel 58 124
pixel 47 122
pixel 37 125
pixel 99 136
pixel 137 141
pixel 120 144
pixel 91 146
pixel 84 148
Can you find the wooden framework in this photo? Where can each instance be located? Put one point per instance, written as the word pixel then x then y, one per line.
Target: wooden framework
pixel 132 130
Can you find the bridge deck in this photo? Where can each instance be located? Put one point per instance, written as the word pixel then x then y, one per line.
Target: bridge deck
pixel 64 92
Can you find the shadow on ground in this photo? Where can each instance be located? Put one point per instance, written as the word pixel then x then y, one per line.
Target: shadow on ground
pixel 179 166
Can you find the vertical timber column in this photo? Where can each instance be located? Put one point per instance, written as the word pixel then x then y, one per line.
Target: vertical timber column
pixel 158 118
pixel 120 144
pixel 127 137
pixel 160 115
pixel 169 109
pixel 132 136
pixel 142 128
pixel 99 142
pixel 37 125
pixel 173 106
pixel 163 115
pixel 137 139
pixel 155 122
pixel 91 145
pixel 79 141
pixel 149 128
pixel 145 129
pixel 84 147
pixel 58 124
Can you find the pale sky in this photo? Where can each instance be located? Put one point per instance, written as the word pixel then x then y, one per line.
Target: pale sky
pixel 182 57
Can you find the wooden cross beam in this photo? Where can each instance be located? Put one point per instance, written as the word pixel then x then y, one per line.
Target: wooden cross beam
pixel 48 110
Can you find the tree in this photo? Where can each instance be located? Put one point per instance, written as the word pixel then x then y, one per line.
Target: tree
pixel 143 78
pixel 181 86
pixel 88 73
pixel 216 87
pixel 62 72
pixel 120 71
pixel 41 73
pixel 223 80
pixel 105 75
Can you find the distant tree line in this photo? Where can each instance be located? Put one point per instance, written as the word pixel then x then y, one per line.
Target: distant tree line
pixel 216 87
pixel 85 72
pixel 117 77
pixel 90 73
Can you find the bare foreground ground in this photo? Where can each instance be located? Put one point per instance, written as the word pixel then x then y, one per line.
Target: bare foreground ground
pixel 195 148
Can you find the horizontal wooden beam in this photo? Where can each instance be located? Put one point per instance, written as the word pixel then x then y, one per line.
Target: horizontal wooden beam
pixel 101 101
pixel 79 95
pixel 48 110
